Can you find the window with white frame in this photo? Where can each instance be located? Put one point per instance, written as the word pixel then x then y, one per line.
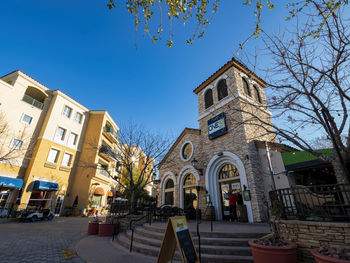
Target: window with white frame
pixel 67 159
pixel 54 154
pixel 27 119
pixel 60 134
pixel 16 144
pixel 78 117
pixel 73 139
pixel 67 111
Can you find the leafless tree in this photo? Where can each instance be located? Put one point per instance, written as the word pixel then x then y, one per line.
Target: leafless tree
pixel 136 157
pixel 308 86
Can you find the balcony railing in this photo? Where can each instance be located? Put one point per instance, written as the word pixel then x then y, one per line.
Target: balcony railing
pixel 314 203
pixel 33 102
pixel 108 151
pixel 111 131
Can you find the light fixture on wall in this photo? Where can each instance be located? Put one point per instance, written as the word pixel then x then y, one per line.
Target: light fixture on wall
pixel 220 154
pixel 194 163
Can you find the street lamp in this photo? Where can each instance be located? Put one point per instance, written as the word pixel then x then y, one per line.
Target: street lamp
pixel 194 163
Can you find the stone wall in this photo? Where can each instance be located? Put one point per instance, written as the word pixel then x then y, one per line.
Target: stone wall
pixel 308 235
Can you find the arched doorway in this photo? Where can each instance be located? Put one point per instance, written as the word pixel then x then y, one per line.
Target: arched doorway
pixel 169 192
pixel 217 162
pixel 229 181
pixel 190 196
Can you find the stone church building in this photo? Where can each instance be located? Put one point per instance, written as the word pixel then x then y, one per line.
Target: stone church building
pixel 228 151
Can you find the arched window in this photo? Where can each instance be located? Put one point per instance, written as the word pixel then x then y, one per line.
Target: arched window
pixel 228 171
pixel 190 180
pixel 190 196
pixel 169 184
pixel 222 89
pixel 208 98
pixel 257 93
pixel 246 87
pixel 169 192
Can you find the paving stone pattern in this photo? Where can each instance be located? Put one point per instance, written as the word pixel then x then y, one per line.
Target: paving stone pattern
pixel 41 241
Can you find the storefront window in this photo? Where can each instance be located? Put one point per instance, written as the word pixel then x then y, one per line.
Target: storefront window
pixel 228 171
pixel 39 199
pixel 96 200
pixel 169 192
pixel 190 196
pixel 3 198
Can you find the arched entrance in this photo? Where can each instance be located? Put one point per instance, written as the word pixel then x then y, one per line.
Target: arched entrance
pixel 190 196
pixel 212 181
pixel 185 171
pixel 229 181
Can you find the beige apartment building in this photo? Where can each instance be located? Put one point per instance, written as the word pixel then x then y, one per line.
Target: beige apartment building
pixel 43 146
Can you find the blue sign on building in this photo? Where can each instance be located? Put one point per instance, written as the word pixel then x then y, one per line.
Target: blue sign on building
pixel 217 126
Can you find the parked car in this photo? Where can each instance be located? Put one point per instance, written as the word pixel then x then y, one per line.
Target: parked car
pixel 30 215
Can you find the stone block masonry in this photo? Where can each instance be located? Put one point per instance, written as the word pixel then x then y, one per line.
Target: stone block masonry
pixel 308 235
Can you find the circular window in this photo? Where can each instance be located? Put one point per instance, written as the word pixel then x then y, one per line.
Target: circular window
pixel 187 150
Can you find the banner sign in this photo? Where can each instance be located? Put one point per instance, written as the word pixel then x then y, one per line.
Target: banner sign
pixel 217 126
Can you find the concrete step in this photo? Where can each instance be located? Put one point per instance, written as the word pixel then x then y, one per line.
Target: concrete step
pixel 156 239
pixel 206 258
pixel 161 229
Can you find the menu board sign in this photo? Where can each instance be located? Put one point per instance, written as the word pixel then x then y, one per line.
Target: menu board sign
pixel 177 233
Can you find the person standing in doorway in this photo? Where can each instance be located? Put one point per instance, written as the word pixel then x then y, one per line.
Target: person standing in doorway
pixel 232 199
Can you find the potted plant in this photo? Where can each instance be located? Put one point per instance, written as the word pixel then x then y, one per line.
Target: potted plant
pixel 272 248
pixel 326 254
pixel 93 226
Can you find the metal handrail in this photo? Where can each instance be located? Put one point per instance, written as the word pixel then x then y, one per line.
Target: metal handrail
pixel 316 202
pixel 133 228
pixel 199 236
pixel 211 219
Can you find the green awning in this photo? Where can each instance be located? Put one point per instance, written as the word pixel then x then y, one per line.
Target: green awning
pixel 291 158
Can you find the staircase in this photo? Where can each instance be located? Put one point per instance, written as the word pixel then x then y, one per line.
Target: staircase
pixel 215 246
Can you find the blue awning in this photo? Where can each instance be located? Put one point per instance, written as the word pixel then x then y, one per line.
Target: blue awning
pixel 11 182
pixel 46 186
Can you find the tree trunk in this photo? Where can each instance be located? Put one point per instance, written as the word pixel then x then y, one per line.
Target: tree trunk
pixel 132 209
pixel 339 172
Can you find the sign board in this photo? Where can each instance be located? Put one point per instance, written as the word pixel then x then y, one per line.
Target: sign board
pixel 236 186
pixel 217 126
pixel 177 234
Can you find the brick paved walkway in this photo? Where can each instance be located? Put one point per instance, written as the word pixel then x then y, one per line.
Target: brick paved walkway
pixel 41 241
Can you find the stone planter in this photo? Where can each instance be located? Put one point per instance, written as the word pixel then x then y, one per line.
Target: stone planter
pixel 269 254
pixel 325 259
pixel 105 229
pixel 93 228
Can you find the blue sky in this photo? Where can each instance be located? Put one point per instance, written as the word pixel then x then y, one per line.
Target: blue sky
pixel 88 52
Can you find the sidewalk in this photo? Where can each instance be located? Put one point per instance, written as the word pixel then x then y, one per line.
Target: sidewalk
pixel 95 249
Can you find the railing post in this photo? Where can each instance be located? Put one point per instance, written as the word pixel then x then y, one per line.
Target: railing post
pixel 132 239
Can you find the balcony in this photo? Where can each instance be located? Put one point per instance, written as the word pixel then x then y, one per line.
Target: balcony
pixel 104 172
pixel 111 134
pixel 33 101
pixel 107 153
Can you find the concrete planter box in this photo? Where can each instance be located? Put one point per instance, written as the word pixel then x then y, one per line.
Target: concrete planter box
pixel 269 254
pixel 93 228
pixel 105 229
pixel 325 259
